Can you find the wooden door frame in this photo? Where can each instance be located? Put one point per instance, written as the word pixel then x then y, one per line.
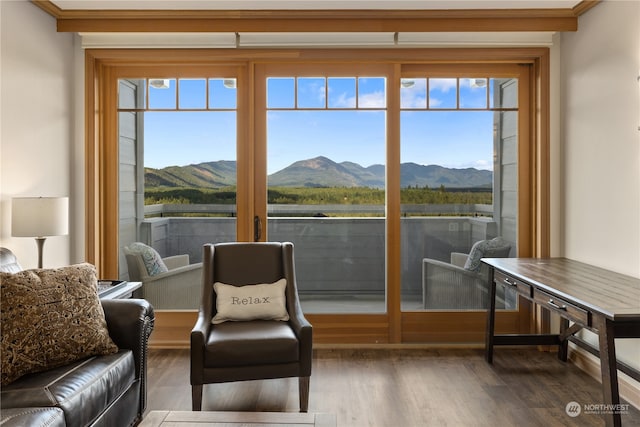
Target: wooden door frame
pixel 392 328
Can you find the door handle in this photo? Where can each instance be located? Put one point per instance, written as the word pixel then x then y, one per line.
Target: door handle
pixel 257 228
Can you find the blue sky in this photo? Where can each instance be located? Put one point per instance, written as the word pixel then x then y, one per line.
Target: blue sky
pixel 456 139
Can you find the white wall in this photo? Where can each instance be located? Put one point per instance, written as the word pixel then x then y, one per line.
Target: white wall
pixel 600 144
pixel 600 137
pixel 36 123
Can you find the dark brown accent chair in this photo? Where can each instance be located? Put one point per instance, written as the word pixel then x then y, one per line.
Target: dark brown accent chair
pixel 254 349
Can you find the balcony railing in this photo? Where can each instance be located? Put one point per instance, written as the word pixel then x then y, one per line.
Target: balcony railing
pixel 170 210
pixel 335 253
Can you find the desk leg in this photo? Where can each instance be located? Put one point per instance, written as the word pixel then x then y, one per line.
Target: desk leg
pixel 564 344
pixel 608 367
pixel 491 318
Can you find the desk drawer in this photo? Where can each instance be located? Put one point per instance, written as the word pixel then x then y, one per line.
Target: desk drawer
pixel 562 307
pixel 520 287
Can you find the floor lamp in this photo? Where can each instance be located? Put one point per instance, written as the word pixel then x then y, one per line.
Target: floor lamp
pixel 39 217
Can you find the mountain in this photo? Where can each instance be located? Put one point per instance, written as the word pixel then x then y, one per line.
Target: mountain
pixel 436 176
pixel 323 172
pixel 210 175
pixel 319 172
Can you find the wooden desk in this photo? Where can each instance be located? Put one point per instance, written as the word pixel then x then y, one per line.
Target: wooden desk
pixel 602 301
pixel 228 419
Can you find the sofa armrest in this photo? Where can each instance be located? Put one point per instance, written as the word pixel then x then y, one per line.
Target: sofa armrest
pixel 130 322
pixel 178 289
pixel 441 266
pixel 449 287
pixel 178 271
pixel 459 259
pixel 176 261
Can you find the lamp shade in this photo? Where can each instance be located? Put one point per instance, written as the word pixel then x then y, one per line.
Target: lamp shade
pixel 39 216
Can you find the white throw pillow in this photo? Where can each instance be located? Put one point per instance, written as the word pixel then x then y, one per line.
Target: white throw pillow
pixel 250 302
pixel 151 258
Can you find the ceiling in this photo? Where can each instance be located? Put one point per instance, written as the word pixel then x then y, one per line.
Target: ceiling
pixel 312 4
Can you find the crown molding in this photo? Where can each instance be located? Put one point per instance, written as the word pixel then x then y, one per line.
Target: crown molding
pixel 584 6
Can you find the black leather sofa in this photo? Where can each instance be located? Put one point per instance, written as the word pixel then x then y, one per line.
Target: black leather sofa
pixel 98 391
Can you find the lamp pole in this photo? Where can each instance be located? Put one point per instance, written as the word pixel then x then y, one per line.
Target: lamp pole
pixel 40 243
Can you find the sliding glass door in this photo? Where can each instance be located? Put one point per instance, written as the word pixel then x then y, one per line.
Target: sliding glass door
pixel 459 192
pixel 373 167
pixel 178 161
pixel 325 139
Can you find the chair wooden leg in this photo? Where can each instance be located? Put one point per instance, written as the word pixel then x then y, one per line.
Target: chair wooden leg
pixel 303 385
pixel 196 397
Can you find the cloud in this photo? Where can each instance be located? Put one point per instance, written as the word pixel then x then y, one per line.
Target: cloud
pixel 311 92
pixel 442 85
pixel 434 102
pixel 481 164
pixel 414 96
pixel 320 93
pixel 367 100
pixel 372 100
pixel 342 100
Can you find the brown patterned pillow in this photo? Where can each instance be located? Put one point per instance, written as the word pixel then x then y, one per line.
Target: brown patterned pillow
pixel 50 317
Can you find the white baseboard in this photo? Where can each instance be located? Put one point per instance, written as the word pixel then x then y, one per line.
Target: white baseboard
pixel 628 387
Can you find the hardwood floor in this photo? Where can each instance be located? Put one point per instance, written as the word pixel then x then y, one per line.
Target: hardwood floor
pixel 408 387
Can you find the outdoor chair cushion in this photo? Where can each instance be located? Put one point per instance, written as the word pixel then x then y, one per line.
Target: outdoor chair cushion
pixel 151 258
pixel 486 249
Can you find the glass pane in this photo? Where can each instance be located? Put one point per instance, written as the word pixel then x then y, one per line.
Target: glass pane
pixel 372 92
pixel 190 160
pixel 326 195
pixel 443 93
pixel 223 93
pixel 473 93
pixel 503 93
pixel 342 92
pixel 413 93
pixel 162 94
pixel 192 93
pixel 457 188
pixel 131 94
pixel 181 138
pixel 177 186
pixel 281 92
pixel 311 92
